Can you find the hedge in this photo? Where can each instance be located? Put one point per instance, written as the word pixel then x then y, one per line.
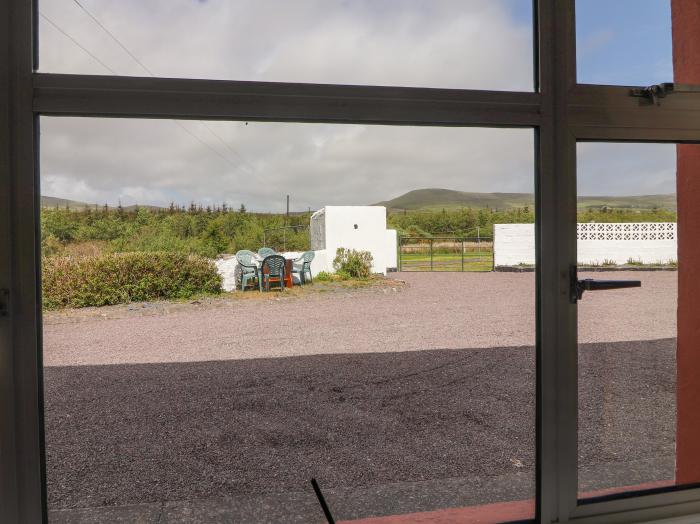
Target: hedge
pixel 117 278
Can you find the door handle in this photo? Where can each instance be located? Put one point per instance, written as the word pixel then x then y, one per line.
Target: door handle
pixel 590 284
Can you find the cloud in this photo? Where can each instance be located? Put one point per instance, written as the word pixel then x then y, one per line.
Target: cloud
pixel 626 169
pixel 437 43
pixel 594 42
pixel 441 43
pixel 156 161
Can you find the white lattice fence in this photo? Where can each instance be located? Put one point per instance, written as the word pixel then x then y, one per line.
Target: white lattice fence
pixel 627 231
pixel 597 243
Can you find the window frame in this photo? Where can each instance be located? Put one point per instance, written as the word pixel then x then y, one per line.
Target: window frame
pixel 560 111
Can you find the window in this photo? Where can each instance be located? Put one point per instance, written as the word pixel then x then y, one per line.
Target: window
pixel 448 44
pixel 561 112
pixel 232 400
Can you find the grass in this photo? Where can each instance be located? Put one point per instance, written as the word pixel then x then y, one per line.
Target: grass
pixel 473 261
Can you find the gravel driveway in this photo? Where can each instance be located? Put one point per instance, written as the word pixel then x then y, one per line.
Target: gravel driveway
pixel 426 391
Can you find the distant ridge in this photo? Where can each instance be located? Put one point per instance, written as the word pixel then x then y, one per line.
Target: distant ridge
pixel 62 203
pixel 49 201
pixel 434 198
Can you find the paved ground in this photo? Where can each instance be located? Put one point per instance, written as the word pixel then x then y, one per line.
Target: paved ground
pixel 423 396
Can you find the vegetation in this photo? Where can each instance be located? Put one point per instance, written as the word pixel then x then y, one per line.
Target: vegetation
pixel 349 263
pixel 466 222
pixel 438 199
pixel 205 232
pixel 463 222
pixel 210 232
pixel 80 281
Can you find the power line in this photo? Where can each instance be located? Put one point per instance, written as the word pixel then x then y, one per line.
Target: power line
pixel 77 43
pixel 126 50
pixel 151 73
pixel 228 146
pixel 211 148
pixel 176 122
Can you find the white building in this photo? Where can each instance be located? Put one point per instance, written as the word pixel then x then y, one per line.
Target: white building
pixel 362 228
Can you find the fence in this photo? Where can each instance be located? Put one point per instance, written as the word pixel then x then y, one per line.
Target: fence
pixel 598 244
pixel 294 237
pixel 445 254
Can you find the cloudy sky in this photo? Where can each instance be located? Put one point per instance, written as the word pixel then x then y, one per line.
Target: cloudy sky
pixel 439 43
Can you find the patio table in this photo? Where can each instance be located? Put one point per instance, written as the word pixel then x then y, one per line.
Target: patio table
pixel 288 266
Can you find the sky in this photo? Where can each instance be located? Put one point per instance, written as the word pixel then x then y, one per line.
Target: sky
pixel 475 44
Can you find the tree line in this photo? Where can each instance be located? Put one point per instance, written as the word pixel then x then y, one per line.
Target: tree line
pixel 212 230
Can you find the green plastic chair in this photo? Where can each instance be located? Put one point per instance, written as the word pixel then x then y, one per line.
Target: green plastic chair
pixel 249 269
pixel 266 252
pixel 302 266
pixel 272 267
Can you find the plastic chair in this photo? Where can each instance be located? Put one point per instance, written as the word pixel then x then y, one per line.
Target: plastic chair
pixel 302 266
pixel 266 252
pixel 249 269
pixel 272 270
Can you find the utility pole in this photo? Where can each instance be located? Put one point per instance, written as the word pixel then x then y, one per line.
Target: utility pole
pixel 287 209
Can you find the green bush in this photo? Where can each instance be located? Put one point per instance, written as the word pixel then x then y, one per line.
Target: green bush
pixel 116 278
pixel 352 264
pixel 324 276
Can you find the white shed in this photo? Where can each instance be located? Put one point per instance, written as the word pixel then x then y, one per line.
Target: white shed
pixel 362 228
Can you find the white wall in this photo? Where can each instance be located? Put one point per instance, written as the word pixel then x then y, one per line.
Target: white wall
pixel 513 244
pixel 362 228
pixel 227 267
pixel 391 249
pixel 597 244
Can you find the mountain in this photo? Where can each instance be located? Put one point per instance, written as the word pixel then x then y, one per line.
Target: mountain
pixel 447 198
pixel 431 199
pixel 62 203
pixel 48 201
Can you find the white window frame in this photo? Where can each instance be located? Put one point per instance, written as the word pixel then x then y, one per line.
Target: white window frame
pixel 560 111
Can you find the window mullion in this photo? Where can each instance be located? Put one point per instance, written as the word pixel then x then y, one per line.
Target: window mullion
pixel 81 95
pixel 556 227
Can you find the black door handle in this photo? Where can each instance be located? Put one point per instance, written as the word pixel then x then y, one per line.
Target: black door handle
pixel 589 284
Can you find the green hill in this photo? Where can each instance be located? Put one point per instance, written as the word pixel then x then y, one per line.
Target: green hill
pixel 48 201
pixel 62 203
pixel 431 199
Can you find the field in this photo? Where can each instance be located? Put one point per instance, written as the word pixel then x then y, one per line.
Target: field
pixel 446 256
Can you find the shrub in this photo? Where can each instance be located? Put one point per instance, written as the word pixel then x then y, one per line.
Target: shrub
pixel 353 264
pixel 70 281
pixel 324 276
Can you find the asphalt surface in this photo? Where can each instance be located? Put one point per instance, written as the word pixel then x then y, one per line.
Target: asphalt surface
pixel 433 427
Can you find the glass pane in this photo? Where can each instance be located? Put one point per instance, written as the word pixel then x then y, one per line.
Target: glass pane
pixel 637 369
pixel 400 392
pixel 625 42
pixel 441 43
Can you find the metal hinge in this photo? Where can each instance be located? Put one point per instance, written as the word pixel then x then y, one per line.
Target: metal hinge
pixel 4 302
pixel 654 93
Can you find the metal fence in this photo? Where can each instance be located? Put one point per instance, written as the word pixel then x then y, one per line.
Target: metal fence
pixel 296 238
pixel 445 254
